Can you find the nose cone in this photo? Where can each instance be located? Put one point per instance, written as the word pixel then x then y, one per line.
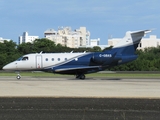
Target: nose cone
pixel 6 67
pixel 9 66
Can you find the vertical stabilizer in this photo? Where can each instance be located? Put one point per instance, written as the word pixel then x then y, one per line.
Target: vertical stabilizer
pixel 129 43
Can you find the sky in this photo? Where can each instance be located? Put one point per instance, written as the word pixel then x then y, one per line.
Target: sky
pixel 103 18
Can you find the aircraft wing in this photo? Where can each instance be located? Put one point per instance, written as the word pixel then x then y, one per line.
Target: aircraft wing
pixel 84 69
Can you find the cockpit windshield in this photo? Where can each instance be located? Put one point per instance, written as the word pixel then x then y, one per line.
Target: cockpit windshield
pixel 22 58
pixel 19 59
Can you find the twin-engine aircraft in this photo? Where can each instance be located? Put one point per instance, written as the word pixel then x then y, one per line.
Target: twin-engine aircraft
pixel 80 64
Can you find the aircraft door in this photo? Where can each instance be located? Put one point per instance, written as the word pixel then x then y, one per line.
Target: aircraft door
pixel 38 61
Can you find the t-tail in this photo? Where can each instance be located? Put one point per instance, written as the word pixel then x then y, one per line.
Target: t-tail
pixel 129 44
pixel 124 51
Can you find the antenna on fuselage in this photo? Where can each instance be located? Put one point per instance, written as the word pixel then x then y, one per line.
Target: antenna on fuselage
pixel 41 52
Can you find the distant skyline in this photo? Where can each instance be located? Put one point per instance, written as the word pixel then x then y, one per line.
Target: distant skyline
pixel 101 17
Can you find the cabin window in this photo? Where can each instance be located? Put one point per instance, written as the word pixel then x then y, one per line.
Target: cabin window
pixel 25 58
pixel 59 59
pixel 52 59
pixel 65 59
pixel 46 59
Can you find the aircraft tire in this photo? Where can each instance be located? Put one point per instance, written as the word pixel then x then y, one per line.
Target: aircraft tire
pixel 18 77
pixel 80 76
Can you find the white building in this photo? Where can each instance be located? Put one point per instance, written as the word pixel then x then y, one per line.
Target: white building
pixel 2 40
pixel 94 42
pixel 66 37
pixel 152 41
pixel 26 38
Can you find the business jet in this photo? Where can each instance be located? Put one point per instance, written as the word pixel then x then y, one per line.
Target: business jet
pixel 83 63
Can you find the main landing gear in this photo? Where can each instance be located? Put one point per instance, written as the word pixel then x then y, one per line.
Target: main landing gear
pixel 80 76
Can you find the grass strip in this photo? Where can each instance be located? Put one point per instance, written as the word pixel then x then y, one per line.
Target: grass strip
pixel 94 75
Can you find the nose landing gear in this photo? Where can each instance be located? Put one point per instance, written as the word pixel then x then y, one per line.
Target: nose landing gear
pixel 18 76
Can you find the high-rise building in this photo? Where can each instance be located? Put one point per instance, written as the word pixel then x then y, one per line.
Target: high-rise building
pixel 66 37
pixel 26 38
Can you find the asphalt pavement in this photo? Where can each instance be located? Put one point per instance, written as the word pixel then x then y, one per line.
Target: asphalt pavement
pixel 37 98
pixel 78 108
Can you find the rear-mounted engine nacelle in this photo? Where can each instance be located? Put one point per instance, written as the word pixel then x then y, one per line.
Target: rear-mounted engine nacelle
pixel 101 58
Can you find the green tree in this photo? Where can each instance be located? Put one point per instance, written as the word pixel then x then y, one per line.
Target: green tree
pixel 8 52
pixel 97 49
pixel 25 48
pixel 44 45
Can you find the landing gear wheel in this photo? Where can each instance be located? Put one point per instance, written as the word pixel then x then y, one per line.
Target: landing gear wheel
pixel 80 76
pixel 18 77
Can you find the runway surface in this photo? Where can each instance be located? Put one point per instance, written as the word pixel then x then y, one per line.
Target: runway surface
pixel 71 99
pixel 71 87
pixel 79 109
